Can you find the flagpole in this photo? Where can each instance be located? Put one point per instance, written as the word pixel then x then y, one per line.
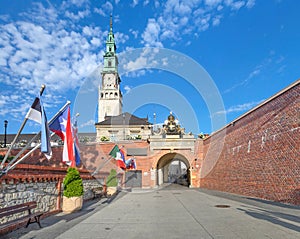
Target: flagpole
pixel 23 149
pixel 24 157
pixel 37 146
pixel 102 165
pixel 61 110
pixel 19 132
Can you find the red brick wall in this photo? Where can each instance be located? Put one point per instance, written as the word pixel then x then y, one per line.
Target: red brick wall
pixel 260 155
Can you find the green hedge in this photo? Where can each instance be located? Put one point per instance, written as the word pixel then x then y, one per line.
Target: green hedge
pixel 112 180
pixel 73 186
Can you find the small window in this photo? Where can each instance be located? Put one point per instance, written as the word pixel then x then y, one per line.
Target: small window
pixel 109 63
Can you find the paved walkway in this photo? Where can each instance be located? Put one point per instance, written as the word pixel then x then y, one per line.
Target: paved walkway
pixel 172 212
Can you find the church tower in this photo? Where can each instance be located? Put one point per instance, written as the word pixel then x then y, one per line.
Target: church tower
pixel 110 96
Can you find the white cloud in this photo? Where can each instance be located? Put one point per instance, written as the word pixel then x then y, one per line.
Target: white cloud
pixel 156 4
pixel 96 41
pixel 134 3
pixel 179 18
pixel 78 16
pixel 250 3
pixel 3 100
pixel 212 2
pixel 237 5
pixel 240 107
pixel 219 8
pixel 88 123
pixel 43 48
pixel 254 73
pixel 134 33
pixel 216 20
pixel 105 10
pixel 127 89
pixel 151 34
pixel 100 11
pixel 140 62
pixel 120 37
pixel 78 3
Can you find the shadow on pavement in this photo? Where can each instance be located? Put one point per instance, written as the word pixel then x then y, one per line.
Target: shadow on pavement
pixel 55 225
pixel 280 204
pixel 274 217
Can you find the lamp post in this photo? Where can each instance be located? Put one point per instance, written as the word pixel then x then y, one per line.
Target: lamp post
pixel 5 127
pixel 123 126
pixel 154 122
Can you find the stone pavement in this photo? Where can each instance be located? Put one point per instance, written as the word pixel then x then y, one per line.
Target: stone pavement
pixel 171 212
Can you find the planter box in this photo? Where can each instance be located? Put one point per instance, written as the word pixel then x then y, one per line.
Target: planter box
pixel 111 190
pixel 72 204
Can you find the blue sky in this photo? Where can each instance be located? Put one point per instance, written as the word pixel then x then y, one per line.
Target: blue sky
pixel 249 49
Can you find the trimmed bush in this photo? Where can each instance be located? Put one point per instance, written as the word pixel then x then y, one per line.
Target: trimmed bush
pixel 111 180
pixel 73 186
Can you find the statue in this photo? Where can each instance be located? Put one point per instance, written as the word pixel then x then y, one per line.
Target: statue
pixel 171 126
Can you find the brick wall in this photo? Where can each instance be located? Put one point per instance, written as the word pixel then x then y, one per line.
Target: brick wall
pixel 258 154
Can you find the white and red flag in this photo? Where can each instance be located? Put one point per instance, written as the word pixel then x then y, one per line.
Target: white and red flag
pixel 62 126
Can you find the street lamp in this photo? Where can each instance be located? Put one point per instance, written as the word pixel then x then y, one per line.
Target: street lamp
pixel 154 123
pixel 5 127
pixel 123 126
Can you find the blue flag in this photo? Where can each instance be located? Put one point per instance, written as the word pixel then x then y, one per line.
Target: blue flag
pixel 45 134
pixel 76 143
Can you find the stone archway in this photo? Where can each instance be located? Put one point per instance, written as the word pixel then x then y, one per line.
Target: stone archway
pixel 166 173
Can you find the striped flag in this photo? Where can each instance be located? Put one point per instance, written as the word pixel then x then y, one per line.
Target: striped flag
pixel 115 153
pixel 76 143
pixel 37 114
pixel 61 126
pixel 130 163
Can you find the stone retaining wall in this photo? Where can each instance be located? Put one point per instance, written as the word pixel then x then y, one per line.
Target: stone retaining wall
pixel 46 194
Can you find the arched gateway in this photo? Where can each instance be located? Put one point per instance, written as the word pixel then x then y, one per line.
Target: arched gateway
pixel 173 168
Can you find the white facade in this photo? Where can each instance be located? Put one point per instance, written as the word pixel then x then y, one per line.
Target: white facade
pixel 110 96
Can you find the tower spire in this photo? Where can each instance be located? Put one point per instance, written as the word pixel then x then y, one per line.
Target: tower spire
pixel 110 22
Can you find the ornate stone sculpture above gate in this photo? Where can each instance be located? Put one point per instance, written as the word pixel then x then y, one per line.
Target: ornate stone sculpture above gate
pixel 172 127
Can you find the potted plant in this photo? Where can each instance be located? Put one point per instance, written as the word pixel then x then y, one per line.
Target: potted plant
pixel 112 182
pixel 73 191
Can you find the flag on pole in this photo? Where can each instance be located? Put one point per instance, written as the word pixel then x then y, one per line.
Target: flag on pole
pixel 45 134
pixel 76 143
pixel 61 126
pixel 37 114
pixel 122 152
pixel 115 153
pixel 130 163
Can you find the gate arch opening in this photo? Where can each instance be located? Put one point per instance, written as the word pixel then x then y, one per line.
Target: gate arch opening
pixel 173 168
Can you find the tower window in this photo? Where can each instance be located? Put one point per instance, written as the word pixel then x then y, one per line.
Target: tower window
pixel 109 63
pixel 109 48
